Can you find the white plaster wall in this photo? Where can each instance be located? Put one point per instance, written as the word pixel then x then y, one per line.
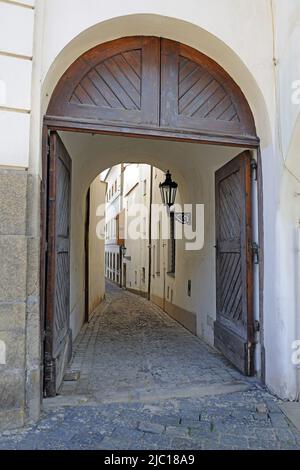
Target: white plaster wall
pixel 198 23
pixel 282 208
pixel 284 324
pixel 196 185
pixel 113 205
pixel 77 256
pixel 96 245
pixel 137 250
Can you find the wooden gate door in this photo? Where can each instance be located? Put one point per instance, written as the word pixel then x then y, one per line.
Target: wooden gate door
pixel 234 323
pixel 58 339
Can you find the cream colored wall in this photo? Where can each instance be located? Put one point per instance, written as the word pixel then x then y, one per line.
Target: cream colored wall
pixel 96 245
pixel 77 256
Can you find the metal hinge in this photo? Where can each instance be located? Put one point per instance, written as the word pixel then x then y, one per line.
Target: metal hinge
pixel 255 253
pixel 253 166
pixel 256 326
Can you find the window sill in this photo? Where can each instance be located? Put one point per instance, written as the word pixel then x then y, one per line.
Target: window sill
pixel 170 274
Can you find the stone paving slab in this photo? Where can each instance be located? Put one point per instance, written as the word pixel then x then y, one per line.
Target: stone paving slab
pixel 292 412
pixel 213 424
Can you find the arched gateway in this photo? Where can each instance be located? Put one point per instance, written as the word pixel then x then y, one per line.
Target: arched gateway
pixel 151 87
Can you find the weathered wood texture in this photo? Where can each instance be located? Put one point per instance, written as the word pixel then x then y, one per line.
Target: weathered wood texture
pixel 153 84
pixel 234 323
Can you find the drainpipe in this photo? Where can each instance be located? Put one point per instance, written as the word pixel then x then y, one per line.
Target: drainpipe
pixel 150 234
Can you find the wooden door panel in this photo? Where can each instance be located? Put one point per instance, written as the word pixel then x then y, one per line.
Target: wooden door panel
pixel 198 95
pixel 58 341
pixel 234 322
pixel 115 83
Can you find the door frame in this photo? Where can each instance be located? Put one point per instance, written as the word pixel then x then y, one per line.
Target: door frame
pixel 68 125
pixel 87 256
pixel 48 255
pixel 64 114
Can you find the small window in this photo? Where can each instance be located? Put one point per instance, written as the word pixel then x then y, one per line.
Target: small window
pixel 143 275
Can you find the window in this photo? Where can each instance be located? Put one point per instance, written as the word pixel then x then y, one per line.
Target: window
pixel 143 275
pixel 172 245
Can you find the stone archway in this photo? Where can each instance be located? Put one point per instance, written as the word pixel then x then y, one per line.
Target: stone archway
pixel 153 88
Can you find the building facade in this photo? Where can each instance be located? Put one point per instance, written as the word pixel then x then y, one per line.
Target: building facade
pixel 140 261
pixel 252 49
pixel 114 206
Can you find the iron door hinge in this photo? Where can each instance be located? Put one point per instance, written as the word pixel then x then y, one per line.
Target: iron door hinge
pixel 255 253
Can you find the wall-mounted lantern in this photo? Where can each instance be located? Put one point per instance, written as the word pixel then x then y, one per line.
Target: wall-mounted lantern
pixel 168 190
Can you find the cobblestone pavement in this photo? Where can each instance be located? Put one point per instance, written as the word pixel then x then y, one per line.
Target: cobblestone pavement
pixel 147 383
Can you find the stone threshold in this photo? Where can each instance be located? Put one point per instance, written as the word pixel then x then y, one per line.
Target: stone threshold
pixel 148 396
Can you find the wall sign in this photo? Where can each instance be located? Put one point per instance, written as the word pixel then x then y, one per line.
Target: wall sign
pixel 183 217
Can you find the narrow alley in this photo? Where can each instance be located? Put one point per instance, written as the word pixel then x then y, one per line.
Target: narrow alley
pixel 139 380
